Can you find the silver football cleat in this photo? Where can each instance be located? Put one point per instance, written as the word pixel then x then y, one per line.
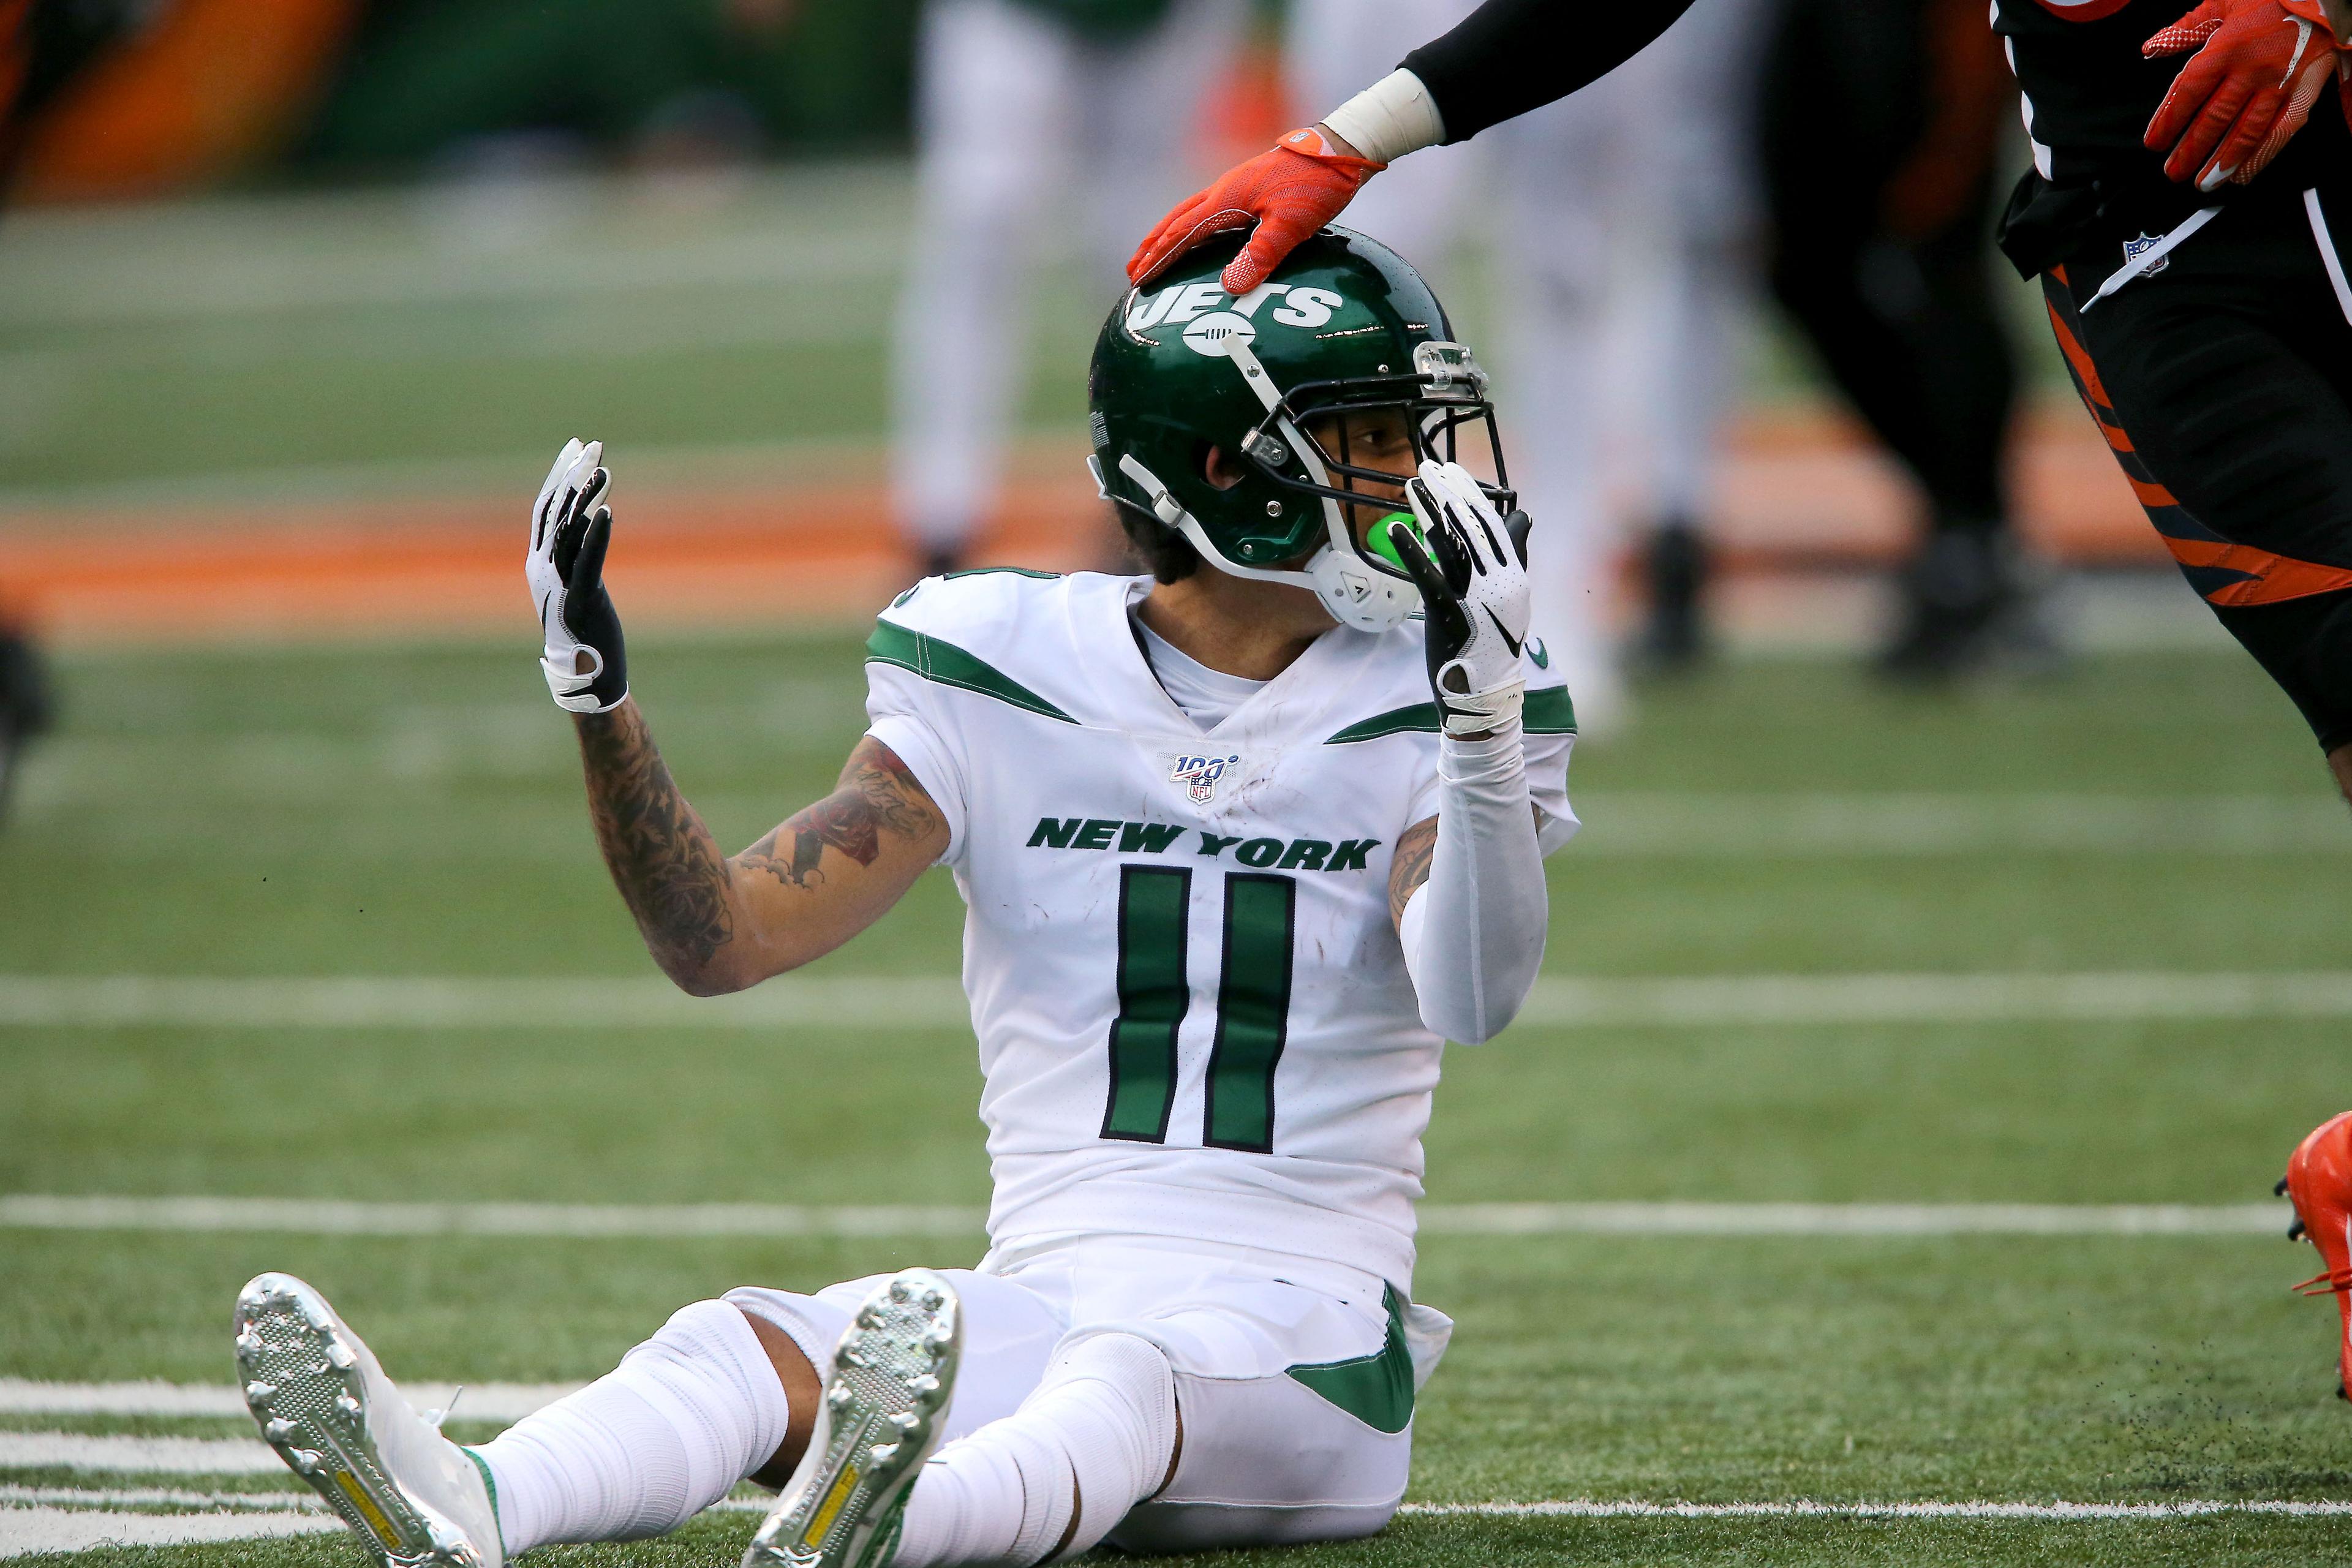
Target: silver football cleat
pixel 414 1497
pixel 885 1409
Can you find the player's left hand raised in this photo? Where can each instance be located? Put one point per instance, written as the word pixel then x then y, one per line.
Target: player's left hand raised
pixel 2260 66
pixel 585 663
pixel 1473 576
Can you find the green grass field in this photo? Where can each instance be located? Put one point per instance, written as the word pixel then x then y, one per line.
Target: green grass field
pixel 327 343
pixel 414 813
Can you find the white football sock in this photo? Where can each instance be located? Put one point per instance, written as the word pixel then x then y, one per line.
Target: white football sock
pixel 641 1449
pixel 1100 1428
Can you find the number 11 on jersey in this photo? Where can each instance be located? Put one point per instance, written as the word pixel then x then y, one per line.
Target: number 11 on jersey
pixel 1155 992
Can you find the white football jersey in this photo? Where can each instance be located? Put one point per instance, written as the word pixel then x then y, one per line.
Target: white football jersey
pixel 1193 1014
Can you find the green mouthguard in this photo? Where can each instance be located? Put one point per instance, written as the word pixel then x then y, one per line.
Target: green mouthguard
pixel 1377 539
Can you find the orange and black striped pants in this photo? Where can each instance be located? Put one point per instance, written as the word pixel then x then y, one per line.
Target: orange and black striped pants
pixel 2222 381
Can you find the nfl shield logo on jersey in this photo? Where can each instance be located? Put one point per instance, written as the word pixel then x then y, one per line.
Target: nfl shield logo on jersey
pixel 2132 248
pixel 1201 776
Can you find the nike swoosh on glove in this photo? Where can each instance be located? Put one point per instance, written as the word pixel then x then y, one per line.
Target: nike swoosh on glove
pixel 1474 590
pixel 1288 193
pixel 2260 66
pixel 570 528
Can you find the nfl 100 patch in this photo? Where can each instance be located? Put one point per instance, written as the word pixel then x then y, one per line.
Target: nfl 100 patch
pixel 1201 773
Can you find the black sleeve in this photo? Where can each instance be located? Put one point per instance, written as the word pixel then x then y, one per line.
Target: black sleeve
pixel 1510 55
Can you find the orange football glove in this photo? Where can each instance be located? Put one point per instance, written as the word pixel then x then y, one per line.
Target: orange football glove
pixel 1288 193
pixel 2260 66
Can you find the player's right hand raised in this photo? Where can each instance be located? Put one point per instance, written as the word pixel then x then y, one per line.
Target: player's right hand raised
pixel 582 657
pixel 1289 192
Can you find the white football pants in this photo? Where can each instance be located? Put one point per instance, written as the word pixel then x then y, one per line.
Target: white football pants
pixel 1024 129
pixel 1621 217
pixel 1295 1379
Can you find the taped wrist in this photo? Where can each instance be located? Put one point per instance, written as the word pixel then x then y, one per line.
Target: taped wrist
pixel 1308 141
pixel 1392 117
pixel 1473 933
pixel 576 691
pixel 1477 711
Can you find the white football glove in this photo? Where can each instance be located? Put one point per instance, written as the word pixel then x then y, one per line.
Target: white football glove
pixel 1473 589
pixel 570 528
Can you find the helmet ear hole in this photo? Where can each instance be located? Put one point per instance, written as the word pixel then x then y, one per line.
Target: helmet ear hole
pixel 1219 469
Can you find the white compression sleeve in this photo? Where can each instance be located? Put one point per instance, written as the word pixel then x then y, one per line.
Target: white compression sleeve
pixel 1392 117
pixel 1473 933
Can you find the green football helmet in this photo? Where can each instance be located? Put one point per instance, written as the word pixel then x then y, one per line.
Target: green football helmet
pixel 1344 326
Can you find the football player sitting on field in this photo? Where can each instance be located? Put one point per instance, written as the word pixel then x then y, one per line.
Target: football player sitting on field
pixel 1243 843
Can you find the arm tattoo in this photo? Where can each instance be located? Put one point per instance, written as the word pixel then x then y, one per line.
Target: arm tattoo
pixel 1410 868
pixel 663 860
pixel 876 794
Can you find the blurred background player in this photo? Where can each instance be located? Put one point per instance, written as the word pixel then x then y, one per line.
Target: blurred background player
pixel 1621 253
pixel 1031 117
pixel 510 88
pixel 1890 283
pixel 44 45
pixel 1886 268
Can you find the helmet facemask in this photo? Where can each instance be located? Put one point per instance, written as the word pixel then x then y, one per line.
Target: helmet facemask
pixel 1440 395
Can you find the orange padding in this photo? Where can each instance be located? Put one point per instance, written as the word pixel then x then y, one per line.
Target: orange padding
pixel 214 84
pixel 1798 491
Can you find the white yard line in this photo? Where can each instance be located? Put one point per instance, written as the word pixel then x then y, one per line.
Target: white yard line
pixel 127 1000
pixel 1573 1508
pixel 155 1456
pixel 24 1531
pixel 124 290
pixel 43 1528
pixel 336 1217
pixel 156 1496
pixel 309 1217
pixel 936 1001
pixel 1820 999
pixel 1853 1219
pixel 1663 825
pixel 480 1402
pixel 1581 1509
